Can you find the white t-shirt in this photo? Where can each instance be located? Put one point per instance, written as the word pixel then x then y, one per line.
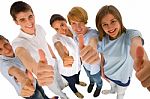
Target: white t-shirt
pixel 73 49
pixel 34 42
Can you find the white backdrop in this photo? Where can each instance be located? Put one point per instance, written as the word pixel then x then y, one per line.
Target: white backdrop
pixel 135 15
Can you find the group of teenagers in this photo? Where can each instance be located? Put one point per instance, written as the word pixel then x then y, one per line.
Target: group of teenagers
pixel 111 52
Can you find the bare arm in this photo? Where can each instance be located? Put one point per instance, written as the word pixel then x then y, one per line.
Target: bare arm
pixel 51 51
pixel 58 45
pixel 141 62
pixel 64 54
pixel 26 59
pixel 135 42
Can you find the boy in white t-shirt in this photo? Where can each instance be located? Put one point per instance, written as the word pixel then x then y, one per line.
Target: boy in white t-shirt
pixel 26 45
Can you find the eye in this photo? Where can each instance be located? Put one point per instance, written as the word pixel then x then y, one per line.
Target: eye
pixel 22 20
pixel 114 21
pixel 62 24
pixel 31 17
pixel 104 25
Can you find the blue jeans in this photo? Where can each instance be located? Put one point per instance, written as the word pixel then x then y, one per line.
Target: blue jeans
pixel 96 78
pixel 38 94
pixel 72 80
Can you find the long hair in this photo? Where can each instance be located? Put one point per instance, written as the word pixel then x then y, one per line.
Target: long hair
pixel 108 9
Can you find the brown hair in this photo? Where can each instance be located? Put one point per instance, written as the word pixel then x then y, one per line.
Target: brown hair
pixel 18 7
pixel 77 14
pixel 108 9
pixel 3 38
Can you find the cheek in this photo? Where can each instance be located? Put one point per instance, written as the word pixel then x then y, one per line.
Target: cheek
pixel 74 28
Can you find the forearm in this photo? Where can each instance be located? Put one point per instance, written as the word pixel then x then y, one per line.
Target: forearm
pixel 26 59
pixel 135 42
pixel 60 49
pixel 17 73
pixel 51 51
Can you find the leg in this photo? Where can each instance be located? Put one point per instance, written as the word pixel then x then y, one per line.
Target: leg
pixel 91 85
pixel 61 81
pixel 55 88
pixel 112 90
pixel 71 81
pixel 99 83
pixel 42 92
pixel 77 80
pixel 120 92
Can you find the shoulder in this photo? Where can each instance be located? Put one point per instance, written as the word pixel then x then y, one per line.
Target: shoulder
pixel 133 33
pixel 93 32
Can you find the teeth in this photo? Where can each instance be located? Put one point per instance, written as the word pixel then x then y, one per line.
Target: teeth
pixel 111 31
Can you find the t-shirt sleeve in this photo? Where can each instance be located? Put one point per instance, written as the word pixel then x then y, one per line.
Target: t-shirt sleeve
pixel 18 43
pixel 134 33
pixel 94 34
pixel 55 39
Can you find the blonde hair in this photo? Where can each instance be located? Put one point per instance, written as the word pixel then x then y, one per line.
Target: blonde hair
pixel 77 14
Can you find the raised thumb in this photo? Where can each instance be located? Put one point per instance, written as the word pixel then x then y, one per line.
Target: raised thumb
pixel 42 56
pixel 81 41
pixel 139 58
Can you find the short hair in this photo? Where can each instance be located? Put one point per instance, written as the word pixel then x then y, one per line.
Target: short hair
pixel 56 17
pixel 3 38
pixel 77 14
pixel 18 7
pixel 108 9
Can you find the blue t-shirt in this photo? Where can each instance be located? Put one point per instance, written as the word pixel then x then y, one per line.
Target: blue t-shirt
pixel 92 33
pixel 118 64
pixel 6 63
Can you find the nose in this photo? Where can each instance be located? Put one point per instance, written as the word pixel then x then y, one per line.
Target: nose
pixel 28 22
pixel 110 26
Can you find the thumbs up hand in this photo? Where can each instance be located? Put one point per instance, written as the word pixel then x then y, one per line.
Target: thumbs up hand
pixel 87 53
pixel 142 68
pixel 27 89
pixel 139 58
pixel 45 72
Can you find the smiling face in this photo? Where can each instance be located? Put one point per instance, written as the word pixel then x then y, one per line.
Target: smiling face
pixel 6 48
pixel 60 26
pixel 78 27
pixel 26 20
pixel 111 25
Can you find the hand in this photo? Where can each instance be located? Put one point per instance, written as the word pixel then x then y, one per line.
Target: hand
pixel 45 72
pixel 89 55
pixel 68 61
pixel 27 88
pixel 142 68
